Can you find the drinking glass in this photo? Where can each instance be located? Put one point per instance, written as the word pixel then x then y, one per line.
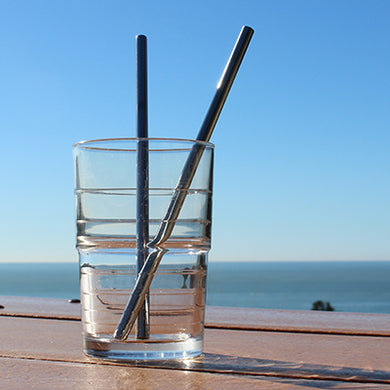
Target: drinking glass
pixel 106 216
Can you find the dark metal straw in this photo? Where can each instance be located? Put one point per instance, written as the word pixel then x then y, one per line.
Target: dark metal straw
pixel 145 277
pixel 142 224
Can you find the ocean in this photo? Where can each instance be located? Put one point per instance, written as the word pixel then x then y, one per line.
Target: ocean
pixel 349 286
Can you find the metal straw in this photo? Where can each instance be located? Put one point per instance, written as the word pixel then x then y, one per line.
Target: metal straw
pixel 142 224
pixel 146 275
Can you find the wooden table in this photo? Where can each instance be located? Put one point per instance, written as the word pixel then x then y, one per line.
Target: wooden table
pixel 41 348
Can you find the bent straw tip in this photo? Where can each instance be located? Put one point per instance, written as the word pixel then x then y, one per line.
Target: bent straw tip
pixel 118 335
pixel 248 28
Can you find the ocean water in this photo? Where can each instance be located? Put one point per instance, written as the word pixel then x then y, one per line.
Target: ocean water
pixel 349 286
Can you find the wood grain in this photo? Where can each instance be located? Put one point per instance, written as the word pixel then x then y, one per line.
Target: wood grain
pixel 19 374
pixel 255 353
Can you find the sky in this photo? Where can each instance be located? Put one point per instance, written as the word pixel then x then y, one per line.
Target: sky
pixel 302 144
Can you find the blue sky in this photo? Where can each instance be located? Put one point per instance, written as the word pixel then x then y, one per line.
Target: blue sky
pixel 302 145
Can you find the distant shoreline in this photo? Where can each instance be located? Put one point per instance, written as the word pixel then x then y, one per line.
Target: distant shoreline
pixel 213 261
pixel 349 286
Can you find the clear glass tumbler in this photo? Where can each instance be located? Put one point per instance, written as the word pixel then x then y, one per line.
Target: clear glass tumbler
pixel 106 212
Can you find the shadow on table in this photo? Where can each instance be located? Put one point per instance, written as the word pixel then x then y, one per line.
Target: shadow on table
pixel 312 375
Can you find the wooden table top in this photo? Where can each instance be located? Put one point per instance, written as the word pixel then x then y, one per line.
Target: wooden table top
pixel 41 348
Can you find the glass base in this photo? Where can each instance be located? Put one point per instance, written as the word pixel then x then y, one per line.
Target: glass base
pixel 109 349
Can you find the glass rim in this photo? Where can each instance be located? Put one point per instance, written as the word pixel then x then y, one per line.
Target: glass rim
pixel 87 144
